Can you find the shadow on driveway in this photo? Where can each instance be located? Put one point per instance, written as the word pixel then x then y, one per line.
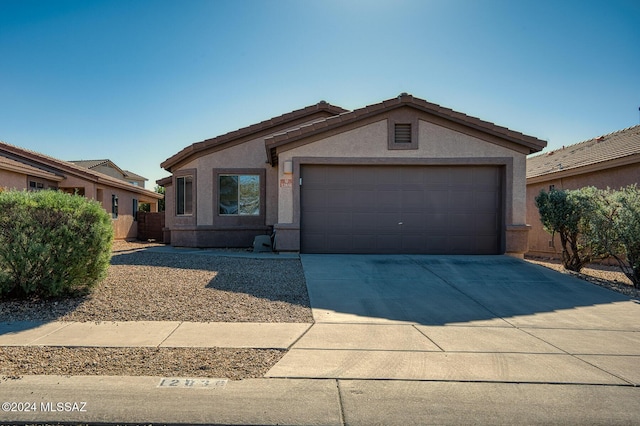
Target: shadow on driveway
pixel 438 290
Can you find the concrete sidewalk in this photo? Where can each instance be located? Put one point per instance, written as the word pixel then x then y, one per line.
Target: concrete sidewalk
pixel 152 334
pixel 493 353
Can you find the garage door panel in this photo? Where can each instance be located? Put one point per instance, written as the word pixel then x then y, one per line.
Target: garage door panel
pixel 339 222
pixel 401 209
pixel 315 200
pixel 339 199
pixel 460 201
pixel 437 224
pixel 486 201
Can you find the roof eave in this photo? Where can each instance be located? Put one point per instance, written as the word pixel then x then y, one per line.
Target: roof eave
pixel 245 132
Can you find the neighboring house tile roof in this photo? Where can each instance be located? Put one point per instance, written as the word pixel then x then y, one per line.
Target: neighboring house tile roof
pixel 92 164
pixel 133 176
pixel 623 146
pixel 273 142
pixel 60 167
pixel 321 108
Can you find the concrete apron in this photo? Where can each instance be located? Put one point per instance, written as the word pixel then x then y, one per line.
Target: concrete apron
pixel 462 318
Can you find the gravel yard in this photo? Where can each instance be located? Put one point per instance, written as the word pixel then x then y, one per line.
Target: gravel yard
pixel 144 286
pixel 606 276
pixel 231 364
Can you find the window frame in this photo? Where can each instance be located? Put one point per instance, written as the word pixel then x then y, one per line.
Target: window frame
pixel 185 195
pixel 233 220
pixel 238 194
pixel 114 206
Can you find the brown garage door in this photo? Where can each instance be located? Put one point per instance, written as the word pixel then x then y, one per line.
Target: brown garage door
pixel 401 209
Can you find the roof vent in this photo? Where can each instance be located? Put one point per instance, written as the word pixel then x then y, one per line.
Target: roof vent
pixel 599 138
pixel 403 94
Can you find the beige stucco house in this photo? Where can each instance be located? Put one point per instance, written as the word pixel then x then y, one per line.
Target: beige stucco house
pixel 24 169
pixel 608 161
pixel 108 167
pixel 400 176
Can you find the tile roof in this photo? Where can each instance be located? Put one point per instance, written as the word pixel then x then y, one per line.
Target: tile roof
pixel 61 167
pixel 133 176
pixel 321 107
pixel 613 146
pixel 534 144
pixel 90 164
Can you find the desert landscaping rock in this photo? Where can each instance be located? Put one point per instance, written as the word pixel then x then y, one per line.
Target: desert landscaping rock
pixel 234 364
pixel 606 276
pixel 144 286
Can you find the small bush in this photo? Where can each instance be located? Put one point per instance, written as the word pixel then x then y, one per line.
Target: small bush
pixel 52 243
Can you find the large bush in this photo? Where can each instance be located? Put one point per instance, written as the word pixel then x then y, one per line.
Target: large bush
pixel 617 229
pixel 569 213
pixel 52 243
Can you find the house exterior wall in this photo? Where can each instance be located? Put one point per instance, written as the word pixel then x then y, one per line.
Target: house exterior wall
pixel 540 241
pixel 109 171
pixel 204 228
pixel 436 145
pixel 13 180
pixel 124 226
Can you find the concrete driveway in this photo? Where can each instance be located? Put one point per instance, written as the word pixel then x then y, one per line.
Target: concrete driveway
pixel 462 318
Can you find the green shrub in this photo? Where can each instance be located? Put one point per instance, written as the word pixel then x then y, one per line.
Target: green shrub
pixel 617 229
pixel 569 213
pixel 52 243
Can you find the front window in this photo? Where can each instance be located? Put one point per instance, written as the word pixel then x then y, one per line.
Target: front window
pixel 184 195
pixel 114 206
pixel 239 195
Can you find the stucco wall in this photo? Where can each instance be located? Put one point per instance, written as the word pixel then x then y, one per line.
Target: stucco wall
pixel 12 180
pixel 434 142
pixel 615 177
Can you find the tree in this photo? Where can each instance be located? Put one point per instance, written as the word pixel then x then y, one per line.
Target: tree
pixel 569 213
pixel 616 230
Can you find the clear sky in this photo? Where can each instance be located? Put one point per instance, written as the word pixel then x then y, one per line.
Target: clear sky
pixel 135 81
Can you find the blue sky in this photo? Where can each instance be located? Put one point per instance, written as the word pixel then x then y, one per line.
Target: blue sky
pixel 136 81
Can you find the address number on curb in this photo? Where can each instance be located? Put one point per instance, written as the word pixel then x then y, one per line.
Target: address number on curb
pixel 180 382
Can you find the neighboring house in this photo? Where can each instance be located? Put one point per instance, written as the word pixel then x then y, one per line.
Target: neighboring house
pixel 24 169
pixel 109 168
pixel 400 176
pixel 611 161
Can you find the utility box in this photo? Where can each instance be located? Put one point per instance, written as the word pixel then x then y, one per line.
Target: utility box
pixel 262 243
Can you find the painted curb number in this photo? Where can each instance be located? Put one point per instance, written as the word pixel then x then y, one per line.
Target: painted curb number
pixel 175 382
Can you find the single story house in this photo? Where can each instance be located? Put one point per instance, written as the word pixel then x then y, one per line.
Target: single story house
pixel 400 176
pixel 608 161
pixel 24 169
